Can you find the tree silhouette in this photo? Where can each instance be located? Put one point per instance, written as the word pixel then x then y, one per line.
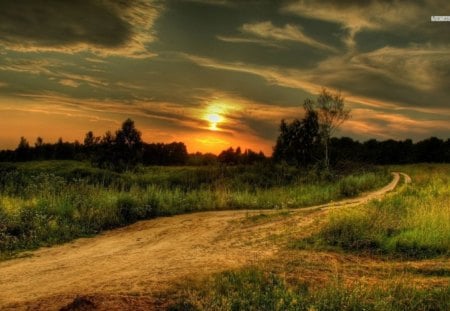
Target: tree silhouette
pixel 332 113
pixel 127 146
pixel 90 140
pixel 299 141
pixel 228 156
pixel 23 151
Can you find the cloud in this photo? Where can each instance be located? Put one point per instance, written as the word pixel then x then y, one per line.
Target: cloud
pixel 422 68
pixel 355 16
pixel 273 75
pixel 410 77
pixel 31 66
pixel 413 76
pixel 378 124
pixel 269 33
pixel 68 82
pixel 236 39
pixel 379 117
pixel 164 114
pixel 106 27
pixel 226 3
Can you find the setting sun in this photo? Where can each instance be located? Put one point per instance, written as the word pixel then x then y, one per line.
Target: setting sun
pixel 213 119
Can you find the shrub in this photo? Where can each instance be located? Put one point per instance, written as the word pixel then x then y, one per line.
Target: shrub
pixel 128 209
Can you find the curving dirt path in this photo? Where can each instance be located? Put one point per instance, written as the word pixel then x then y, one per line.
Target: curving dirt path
pixel 149 256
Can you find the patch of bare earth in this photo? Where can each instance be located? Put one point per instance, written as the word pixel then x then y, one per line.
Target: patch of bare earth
pixel 134 268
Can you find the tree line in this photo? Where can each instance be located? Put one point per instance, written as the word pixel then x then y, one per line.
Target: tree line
pixel 301 142
pixel 308 141
pixel 123 150
pixel 343 149
pixel 118 151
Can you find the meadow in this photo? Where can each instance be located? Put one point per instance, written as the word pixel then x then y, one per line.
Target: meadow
pixel 48 202
pixel 389 254
pixel 414 222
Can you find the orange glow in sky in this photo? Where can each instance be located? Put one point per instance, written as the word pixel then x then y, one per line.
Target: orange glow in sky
pixel 220 74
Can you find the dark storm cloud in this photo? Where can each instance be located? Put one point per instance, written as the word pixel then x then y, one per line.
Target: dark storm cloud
pixel 116 26
pixel 57 23
pixel 253 32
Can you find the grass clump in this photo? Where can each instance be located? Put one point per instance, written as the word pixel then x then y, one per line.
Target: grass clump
pixel 254 289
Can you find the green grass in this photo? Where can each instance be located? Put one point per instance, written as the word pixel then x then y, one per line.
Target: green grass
pixel 415 222
pixel 49 202
pixel 254 289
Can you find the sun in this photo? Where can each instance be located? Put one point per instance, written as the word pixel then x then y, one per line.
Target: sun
pixel 213 119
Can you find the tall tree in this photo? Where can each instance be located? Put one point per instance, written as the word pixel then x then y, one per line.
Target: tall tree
pixel 128 145
pixel 332 113
pixel 39 148
pixel 90 140
pixel 299 140
pixel 23 151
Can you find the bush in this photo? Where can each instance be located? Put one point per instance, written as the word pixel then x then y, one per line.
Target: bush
pixel 349 187
pixel 128 208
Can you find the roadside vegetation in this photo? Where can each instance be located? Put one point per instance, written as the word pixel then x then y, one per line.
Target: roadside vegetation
pixel 414 222
pixel 48 202
pixel 252 288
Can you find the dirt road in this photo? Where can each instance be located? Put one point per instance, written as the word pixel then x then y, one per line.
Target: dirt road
pixel 147 257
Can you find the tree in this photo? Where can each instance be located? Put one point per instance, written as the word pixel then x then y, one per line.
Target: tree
pixel 39 142
pixel 332 113
pixel 228 156
pixel 299 140
pixel 39 148
pixel 103 154
pixel 128 145
pixel 90 140
pixel 23 151
pixel 128 136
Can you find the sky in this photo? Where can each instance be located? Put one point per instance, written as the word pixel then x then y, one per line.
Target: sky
pixel 222 73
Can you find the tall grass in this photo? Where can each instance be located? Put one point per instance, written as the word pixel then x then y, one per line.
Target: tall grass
pixel 43 203
pixel 414 222
pixel 254 289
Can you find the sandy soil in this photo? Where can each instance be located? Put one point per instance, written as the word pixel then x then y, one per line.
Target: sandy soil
pixel 148 257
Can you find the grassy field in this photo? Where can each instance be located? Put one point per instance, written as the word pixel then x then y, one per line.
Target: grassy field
pixel 49 202
pixel 255 289
pixel 415 222
pixel 391 254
